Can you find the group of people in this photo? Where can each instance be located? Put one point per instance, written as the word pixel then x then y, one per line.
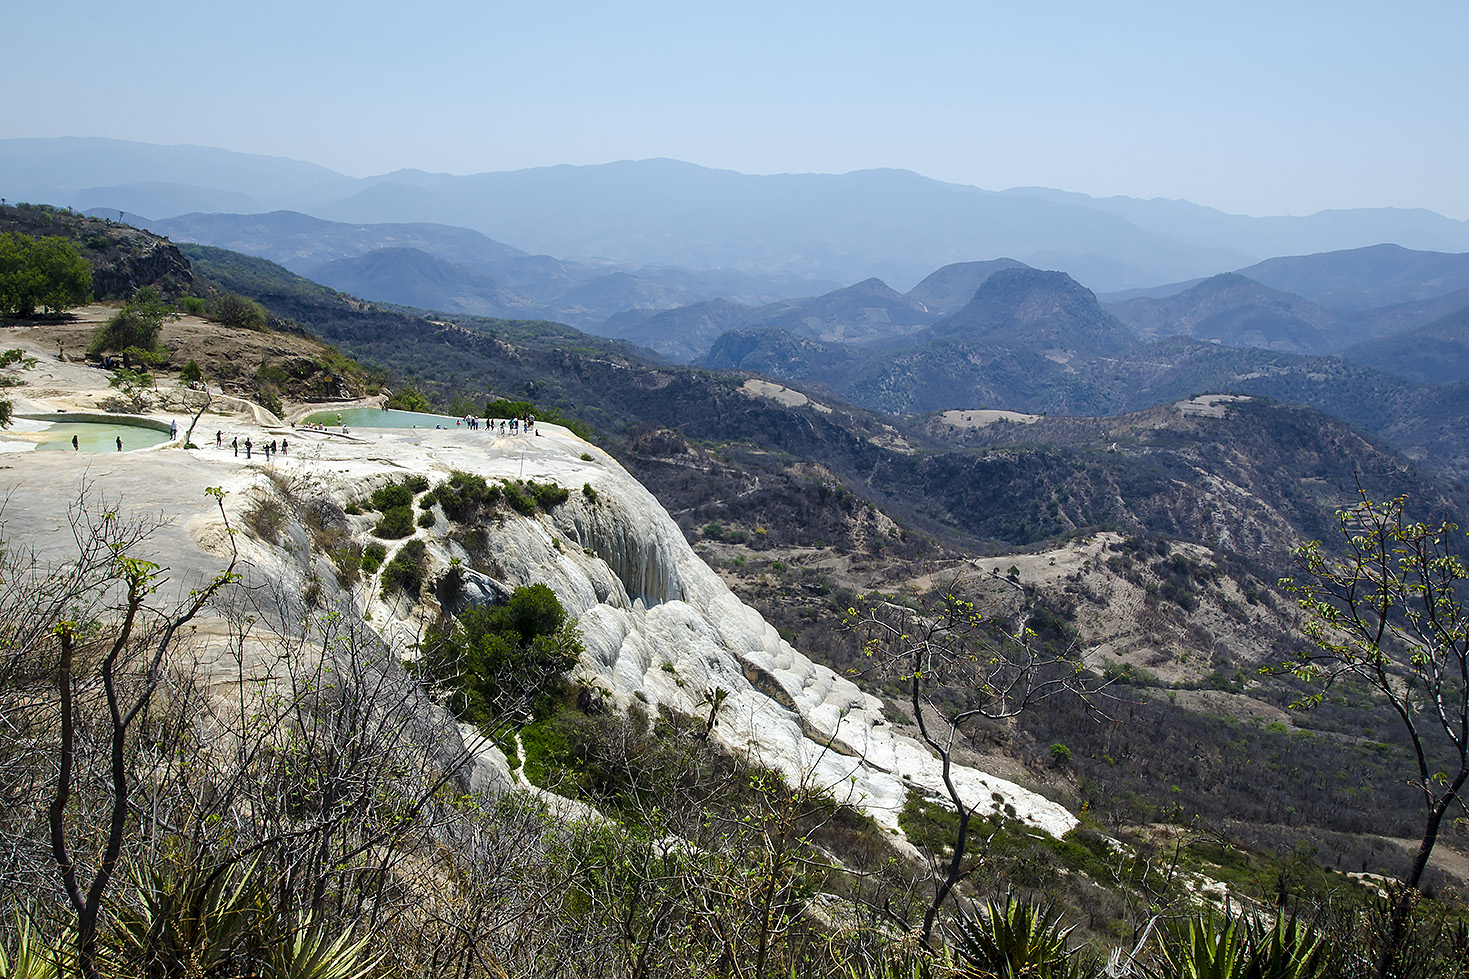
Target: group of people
pixel 516 425
pixel 270 448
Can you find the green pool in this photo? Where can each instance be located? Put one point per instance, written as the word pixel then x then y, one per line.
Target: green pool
pixel 377 418
pixel 55 436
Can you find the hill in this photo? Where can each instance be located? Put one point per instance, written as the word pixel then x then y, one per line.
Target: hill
pixel 301 242
pixel 1365 278
pixel 1434 354
pixel 578 293
pixel 1240 312
pixel 952 287
pixel 409 277
pixel 682 334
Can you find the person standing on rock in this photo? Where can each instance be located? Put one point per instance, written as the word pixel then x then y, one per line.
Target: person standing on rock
pixel 236 444
pixel 219 439
pixel 248 444
pixel 119 443
pixel 75 445
pixel 285 447
pixel 173 430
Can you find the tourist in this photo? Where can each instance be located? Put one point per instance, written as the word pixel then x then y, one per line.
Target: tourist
pixel 248 445
pixel 119 443
pixel 219 439
pixel 236 444
pixel 75 445
pixel 285 447
pixel 173 429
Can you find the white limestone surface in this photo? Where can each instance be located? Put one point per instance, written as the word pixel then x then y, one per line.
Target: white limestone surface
pixel 659 626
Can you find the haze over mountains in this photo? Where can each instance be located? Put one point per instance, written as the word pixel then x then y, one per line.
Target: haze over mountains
pixel 896 225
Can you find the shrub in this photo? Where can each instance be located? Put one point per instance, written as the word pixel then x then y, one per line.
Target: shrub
pixel 392 495
pixel 501 660
pixel 466 495
pixel 137 324
pixel 396 523
pixel 409 399
pixel 405 570
pixel 528 496
pixel 372 557
pixel 426 518
pixel 239 312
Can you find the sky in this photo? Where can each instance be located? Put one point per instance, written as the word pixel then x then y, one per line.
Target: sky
pixel 1254 108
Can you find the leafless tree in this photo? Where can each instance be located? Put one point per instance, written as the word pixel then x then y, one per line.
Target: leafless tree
pixel 983 666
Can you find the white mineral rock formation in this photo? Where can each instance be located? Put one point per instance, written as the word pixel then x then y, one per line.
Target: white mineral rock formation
pixel 659 626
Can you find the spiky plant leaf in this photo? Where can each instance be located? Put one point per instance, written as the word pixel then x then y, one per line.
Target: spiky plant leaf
pixel 1015 939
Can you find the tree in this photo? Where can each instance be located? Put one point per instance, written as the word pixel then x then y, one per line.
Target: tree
pixel 66 280
pixel 138 580
pixel 960 666
pixel 137 324
pixel 409 399
pixel 1387 615
pixel 240 312
pixel 46 273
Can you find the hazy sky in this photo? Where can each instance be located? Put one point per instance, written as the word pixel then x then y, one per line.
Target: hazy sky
pixel 1258 108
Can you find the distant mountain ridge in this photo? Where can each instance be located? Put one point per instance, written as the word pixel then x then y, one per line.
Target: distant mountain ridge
pixel 893 224
pixel 360 258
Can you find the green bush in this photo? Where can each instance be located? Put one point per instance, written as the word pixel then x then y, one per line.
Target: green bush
pixel 239 312
pixel 503 660
pixel 405 571
pixel 528 496
pixel 409 399
pixel 392 495
pixel 372 557
pixel 396 523
pixel 466 495
pixel 426 518
pixel 137 324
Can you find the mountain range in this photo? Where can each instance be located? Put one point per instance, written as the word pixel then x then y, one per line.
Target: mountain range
pixel 893 224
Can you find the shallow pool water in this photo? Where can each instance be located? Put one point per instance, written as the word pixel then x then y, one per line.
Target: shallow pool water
pixel 91 436
pixel 377 418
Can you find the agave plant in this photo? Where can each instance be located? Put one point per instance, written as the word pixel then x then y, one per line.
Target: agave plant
pixel 33 959
pixel 1289 950
pixel 1015 939
pixel 310 951
pixel 190 919
pixel 1205 947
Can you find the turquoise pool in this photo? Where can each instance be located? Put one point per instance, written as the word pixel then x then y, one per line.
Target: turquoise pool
pixel 377 418
pixel 55 436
